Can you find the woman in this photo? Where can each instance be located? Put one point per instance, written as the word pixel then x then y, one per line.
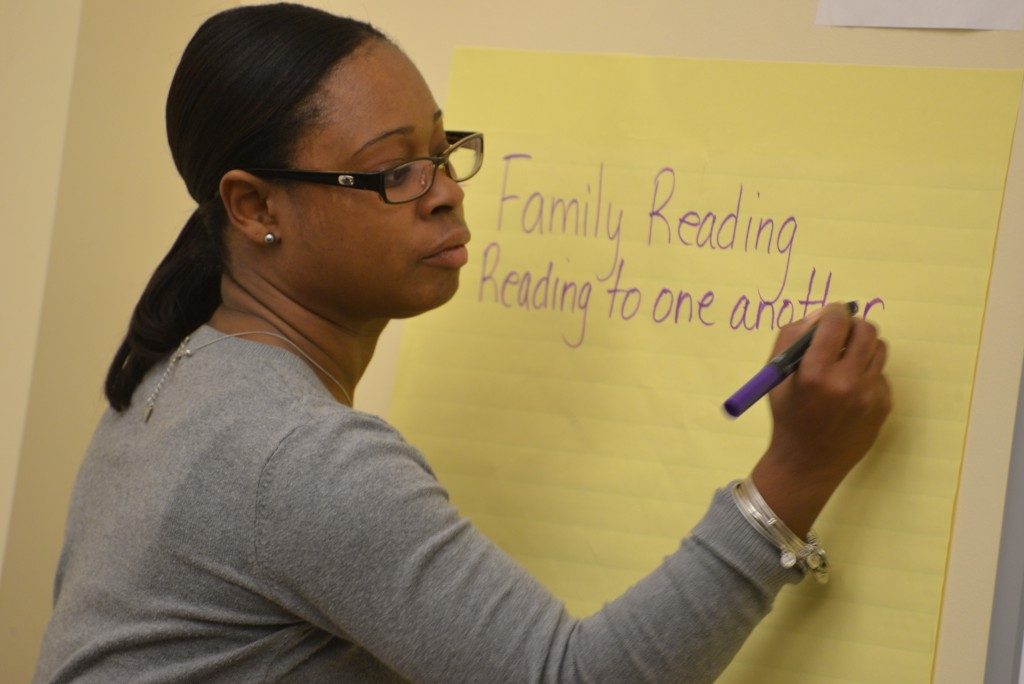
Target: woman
pixel 235 520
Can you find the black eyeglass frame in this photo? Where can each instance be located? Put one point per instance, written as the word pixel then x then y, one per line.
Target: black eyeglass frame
pixel 375 181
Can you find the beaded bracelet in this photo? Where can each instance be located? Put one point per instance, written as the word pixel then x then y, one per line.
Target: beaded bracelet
pixel 807 555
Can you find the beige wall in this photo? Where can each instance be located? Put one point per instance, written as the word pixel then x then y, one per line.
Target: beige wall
pixel 37 50
pixel 120 204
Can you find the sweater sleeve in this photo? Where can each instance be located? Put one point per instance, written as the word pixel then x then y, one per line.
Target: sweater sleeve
pixel 355 535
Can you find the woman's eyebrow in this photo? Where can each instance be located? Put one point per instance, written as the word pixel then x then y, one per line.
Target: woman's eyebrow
pixel 403 130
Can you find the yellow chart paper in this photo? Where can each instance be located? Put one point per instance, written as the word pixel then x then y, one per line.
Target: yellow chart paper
pixel 641 227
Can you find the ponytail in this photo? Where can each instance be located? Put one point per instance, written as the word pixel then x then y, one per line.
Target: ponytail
pixel 181 295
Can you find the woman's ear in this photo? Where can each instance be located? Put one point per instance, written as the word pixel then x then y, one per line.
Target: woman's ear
pixel 245 202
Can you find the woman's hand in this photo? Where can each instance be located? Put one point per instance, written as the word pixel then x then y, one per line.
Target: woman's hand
pixel 826 415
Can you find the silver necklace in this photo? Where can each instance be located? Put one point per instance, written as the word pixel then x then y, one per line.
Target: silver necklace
pixel 184 350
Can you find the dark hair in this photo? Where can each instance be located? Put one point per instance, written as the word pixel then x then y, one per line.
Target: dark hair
pixel 241 96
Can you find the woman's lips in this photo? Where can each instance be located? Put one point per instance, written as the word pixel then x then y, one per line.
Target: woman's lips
pixel 452 257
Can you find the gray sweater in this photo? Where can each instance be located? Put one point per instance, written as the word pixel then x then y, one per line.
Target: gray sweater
pixel 256 530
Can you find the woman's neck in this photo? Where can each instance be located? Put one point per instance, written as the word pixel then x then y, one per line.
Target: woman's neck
pixel 342 349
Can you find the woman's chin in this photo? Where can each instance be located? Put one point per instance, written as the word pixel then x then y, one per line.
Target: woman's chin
pixel 432 299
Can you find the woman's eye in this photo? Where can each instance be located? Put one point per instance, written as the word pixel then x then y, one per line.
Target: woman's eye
pixel 397 176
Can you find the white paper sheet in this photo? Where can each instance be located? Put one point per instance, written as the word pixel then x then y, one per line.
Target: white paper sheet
pixel 944 14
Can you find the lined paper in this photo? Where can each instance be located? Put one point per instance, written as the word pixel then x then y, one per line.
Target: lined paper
pixel 641 228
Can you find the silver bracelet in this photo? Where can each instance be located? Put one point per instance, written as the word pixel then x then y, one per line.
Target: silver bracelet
pixel 807 555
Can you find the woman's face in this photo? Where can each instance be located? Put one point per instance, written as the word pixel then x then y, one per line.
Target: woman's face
pixel 345 254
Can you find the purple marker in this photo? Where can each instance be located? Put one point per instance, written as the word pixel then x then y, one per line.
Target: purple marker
pixel 777 370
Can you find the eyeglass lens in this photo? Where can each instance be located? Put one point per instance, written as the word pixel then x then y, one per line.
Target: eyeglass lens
pixel 409 181
pixel 465 159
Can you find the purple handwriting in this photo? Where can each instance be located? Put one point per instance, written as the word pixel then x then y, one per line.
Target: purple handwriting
pixel 593 216
pixel 528 290
pixel 706 231
pixel 541 214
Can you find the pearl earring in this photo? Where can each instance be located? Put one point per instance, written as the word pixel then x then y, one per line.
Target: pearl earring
pixel 270 238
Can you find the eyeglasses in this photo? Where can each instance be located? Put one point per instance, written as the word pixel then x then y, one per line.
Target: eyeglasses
pixel 405 182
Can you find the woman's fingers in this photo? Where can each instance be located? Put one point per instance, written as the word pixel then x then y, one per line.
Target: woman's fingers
pixel 792 332
pixel 830 338
pixel 860 346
